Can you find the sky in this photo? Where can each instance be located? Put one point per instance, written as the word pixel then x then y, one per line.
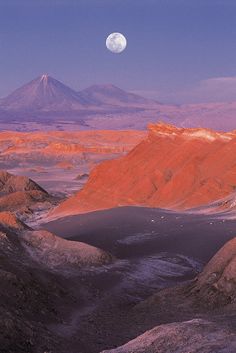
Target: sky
pixel 179 51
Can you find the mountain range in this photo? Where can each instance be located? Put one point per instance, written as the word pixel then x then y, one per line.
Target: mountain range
pixel 48 102
pixel 45 93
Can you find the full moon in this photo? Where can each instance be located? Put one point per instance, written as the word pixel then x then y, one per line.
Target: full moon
pixel 116 43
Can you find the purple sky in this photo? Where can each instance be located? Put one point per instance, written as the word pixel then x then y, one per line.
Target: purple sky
pixel 178 50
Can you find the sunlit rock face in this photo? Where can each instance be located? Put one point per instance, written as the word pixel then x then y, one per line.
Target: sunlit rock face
pixel 172 168
pixel 10 221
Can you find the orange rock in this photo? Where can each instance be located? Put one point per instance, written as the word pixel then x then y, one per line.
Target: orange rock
pixel 172 168
pixel 9 220
pixel 56 143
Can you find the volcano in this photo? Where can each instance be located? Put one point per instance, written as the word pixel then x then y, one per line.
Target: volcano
pixel 47 102
pixel 111 95
pixel 44 93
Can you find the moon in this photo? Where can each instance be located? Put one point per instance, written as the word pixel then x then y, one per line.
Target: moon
pixel 116 42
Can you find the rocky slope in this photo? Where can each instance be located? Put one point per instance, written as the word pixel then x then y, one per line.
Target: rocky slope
pixel 22 195
pixel 172 168
pixel 211 296
pixel 50 251
pixel 28 295
pixel 34 267
pixel 44 93
pixel 12 183
pixel 51 300
pixel 54 252
pixel 214 289
pixel 216 286
pixel 10 221
pixel 190 336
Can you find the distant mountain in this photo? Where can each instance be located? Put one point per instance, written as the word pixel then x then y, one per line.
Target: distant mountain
pixel 113 96
pixel 47 94
pixel 44 93
pixel 46 100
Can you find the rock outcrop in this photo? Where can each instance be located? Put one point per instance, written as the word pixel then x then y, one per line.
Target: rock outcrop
pixel 53 252
pixel 47 249
pixel 9 220
pixel 211 296
pixel 182 337
pixel 174 168
pixel 32 292
pixel 22 195
pixel 216 285
pixel 10 183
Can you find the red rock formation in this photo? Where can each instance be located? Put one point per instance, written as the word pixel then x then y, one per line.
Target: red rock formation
pixel 66 165
pixel 66 142
pixel 9 220
pixel 172 168
pixel 10 183
pixel 21 194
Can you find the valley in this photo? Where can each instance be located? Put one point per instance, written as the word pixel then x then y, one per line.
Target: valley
pixel 117 176
pixel 90 308
pixel 117 241
pixel 61 161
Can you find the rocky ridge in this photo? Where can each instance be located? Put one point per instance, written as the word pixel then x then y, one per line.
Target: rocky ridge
pixel 173 168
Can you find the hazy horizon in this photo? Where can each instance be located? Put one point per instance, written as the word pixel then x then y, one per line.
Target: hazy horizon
pixel 216 84
pixel 175 54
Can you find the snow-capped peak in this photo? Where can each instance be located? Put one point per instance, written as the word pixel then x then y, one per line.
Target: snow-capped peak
pixel 44 77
